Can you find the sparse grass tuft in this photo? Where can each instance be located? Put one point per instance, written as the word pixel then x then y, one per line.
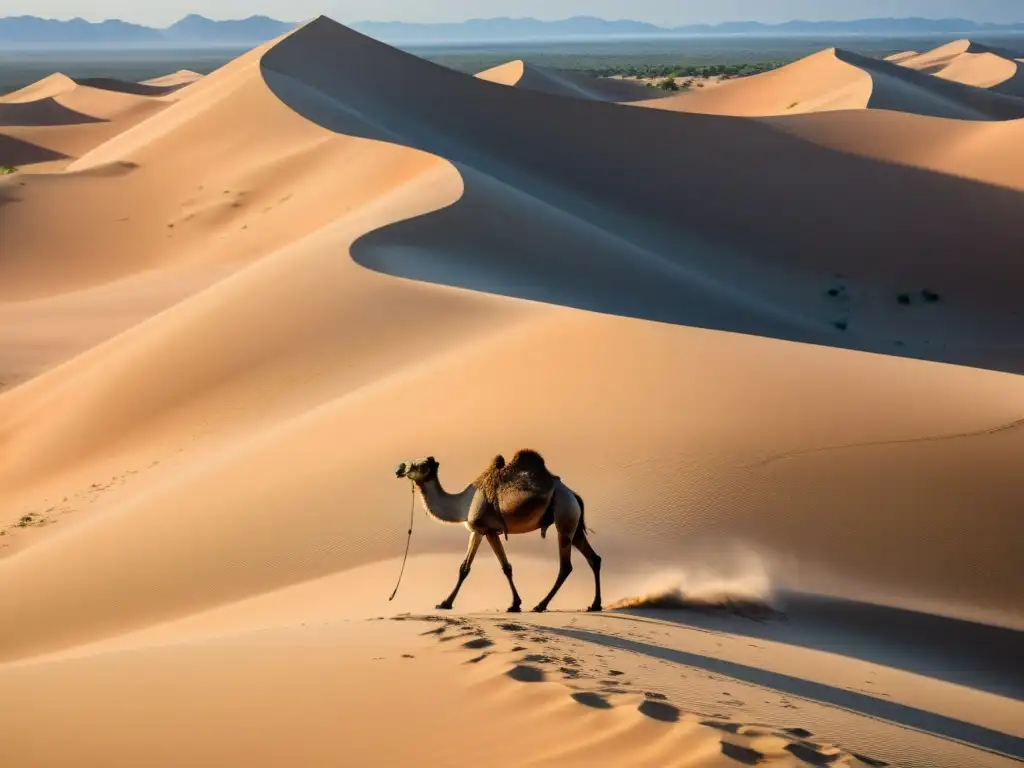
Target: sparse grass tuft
pixel 930 296
pixel 7 170
pixel 903 298
pixel 841 325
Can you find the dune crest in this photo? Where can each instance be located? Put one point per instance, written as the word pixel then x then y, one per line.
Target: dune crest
pixel 519 74
pixel 970 63
pixel 837 79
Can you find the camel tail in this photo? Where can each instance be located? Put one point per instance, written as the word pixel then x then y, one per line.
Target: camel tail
pixel 583 525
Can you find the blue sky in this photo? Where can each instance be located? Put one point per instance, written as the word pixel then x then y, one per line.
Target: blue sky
pixel 665 12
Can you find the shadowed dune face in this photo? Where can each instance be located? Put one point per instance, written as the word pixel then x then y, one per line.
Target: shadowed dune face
pixel 838 79
pixel 729 198
pixel 123 86
pixel 518 74
pixel 15 152
pixel 46 111
pixel 969 63
pixel 66 118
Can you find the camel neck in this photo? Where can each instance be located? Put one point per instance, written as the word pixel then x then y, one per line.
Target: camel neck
pixel 443 506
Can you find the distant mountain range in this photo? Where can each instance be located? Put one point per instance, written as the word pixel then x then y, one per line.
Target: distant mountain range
pixel 18 31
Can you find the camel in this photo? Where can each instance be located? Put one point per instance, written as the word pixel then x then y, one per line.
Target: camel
pixel 519 497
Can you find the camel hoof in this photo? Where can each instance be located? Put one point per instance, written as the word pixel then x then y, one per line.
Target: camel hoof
pixel 443 606
pixel 594 609
pixel 540 609
pixel 514 609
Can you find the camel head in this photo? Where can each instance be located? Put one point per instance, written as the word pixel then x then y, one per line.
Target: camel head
pixel 418 470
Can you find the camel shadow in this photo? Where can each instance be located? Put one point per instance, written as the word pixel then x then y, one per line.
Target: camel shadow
pixel 979 656
pixel 978 736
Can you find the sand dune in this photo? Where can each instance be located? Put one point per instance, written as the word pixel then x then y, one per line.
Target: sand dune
pixel 181 77
pixel 836 79
pixel 970 63
pixel 566 84
pixel 287 279
pixel 67 118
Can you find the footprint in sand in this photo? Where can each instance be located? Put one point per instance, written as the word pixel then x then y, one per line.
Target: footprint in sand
pixel 527 674
pixel 740 754
pixel 593 700
pixel 659 710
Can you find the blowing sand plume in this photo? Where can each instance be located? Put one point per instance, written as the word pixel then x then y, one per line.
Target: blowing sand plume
pixel 780 366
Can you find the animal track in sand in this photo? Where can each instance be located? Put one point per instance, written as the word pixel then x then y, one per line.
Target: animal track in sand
pixel 746 743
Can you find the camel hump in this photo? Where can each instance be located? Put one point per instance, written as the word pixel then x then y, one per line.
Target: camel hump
pixel 529 461
pixel 527 474
pixel 524 477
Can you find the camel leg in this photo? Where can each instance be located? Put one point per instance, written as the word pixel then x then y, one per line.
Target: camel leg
pixel 495 541
pixel 474 544
pixel 581 543
pixel 564 569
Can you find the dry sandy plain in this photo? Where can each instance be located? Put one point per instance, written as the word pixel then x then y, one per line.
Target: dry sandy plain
pixel 771 332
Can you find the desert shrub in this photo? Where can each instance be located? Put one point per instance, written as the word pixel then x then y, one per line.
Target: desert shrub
pixel 7 170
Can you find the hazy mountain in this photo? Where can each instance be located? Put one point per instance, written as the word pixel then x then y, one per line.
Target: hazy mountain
pixel 504 28
pixel 198 30
pixel 191 30
pixel 29 30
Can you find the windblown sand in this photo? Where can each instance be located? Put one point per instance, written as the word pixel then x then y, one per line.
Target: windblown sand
pixel 777 354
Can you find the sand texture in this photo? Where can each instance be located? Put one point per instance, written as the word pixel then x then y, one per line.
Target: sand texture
pixel 777 355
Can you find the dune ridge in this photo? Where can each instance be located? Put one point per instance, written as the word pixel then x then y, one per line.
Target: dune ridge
pixel 287 279
pixel 971 63
pixel 837 79
pixel 532 77
pixel 47 124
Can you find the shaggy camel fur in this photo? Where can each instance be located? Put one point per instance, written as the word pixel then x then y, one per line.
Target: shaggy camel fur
pixel 517 497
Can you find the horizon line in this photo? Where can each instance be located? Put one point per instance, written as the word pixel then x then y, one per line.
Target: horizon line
pixel 525 18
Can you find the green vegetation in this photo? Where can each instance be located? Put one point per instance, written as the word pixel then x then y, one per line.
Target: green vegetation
pixel 7 170
pixel 668 84
pixel 691 70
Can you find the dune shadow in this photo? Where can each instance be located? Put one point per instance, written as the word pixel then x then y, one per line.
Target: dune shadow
pixel 724 226
pixel 1014 86
pixel 127 86
pixel 895 86
pixel 977 736
pixel 16 152
pixel 43 112
pixel 980 656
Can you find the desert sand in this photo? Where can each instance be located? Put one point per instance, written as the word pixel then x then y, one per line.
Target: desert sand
pixel 837 79
pixel 970 63
pixel 778 355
